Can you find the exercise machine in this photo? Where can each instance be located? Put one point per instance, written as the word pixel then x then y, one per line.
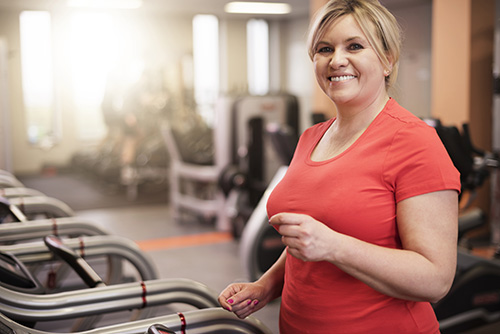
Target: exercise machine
pixel 253 158
pixel 20 297
pixel 15 276
pixel 19 192
pixel 260 244
pixel 203 321
pixel 21 209
pixel 474 298
pixel 70 227
pixel 227 188
pixel 159 329
pixel 117 259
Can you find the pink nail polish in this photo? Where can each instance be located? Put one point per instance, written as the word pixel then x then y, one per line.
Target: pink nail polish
pixel 249 302
pixel 256 302
pixel 230 301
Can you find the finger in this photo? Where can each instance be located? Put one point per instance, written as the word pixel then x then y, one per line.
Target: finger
pixel 243 306
pixel 252 306
pixel 290 231
pixel 224 304
pixel 227 295
pixel 238 301
pixel 286 218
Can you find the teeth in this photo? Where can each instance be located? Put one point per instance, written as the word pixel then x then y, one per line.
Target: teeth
pixel 341 78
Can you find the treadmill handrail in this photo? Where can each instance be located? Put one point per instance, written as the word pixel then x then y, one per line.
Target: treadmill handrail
pixel 101 300
pixel 43 204
pixel 37 229
pixel 205 321
pixel 35 252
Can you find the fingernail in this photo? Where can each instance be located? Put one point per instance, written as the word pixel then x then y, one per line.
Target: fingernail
pixel 230 301
pixel 249 302
pixel 256 302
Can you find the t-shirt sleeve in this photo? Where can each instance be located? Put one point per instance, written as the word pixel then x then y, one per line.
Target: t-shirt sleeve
pixel 417 163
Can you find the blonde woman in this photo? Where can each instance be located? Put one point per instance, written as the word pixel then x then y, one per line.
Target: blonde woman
pixel 368 207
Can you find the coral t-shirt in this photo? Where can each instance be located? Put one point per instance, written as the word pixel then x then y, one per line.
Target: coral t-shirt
pixel 356 193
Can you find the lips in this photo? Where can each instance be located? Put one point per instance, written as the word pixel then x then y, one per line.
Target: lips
pixel 341 78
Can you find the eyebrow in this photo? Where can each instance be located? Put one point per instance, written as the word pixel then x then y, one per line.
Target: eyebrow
pixel 350 39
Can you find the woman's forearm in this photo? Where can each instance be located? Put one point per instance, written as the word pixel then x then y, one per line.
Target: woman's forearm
pixel 274 278
pixel 422 270
pixel 399 273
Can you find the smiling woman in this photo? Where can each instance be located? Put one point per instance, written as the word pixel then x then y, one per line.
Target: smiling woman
pixel 368 207
pixel 348 68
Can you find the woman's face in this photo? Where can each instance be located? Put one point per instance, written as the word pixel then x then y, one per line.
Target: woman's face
pixel 346 66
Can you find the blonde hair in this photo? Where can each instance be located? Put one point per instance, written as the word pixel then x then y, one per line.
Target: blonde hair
pixel 377 23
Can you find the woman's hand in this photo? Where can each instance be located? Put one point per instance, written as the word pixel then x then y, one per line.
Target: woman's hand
pixel 306 238
pixel 243 299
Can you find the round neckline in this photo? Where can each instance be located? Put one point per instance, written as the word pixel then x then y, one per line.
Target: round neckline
pixel 330 122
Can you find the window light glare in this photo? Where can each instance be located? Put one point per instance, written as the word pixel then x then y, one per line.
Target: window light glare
pixel 240 7
pixel 124 4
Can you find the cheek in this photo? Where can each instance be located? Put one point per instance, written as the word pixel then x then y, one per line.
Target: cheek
pixel 316 67
pixel 320 70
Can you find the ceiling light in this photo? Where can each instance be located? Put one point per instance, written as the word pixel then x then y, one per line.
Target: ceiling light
pixel 257 7
pixel 125 4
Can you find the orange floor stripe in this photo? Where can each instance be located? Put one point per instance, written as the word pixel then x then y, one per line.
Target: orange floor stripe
pixel 185 241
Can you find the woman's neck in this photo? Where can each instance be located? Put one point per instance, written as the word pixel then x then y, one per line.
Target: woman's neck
pixel 355 118
pixel 346 129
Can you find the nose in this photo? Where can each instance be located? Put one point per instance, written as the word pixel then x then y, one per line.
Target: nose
pixel 338 60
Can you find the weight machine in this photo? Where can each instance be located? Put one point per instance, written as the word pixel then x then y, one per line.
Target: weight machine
pixel 244 161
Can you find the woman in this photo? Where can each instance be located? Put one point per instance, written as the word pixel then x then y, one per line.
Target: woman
pixel 368 207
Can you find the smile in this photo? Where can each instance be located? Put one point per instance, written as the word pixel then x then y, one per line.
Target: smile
pixel 342 78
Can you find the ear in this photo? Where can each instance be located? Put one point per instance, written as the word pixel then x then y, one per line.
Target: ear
pixel 389 66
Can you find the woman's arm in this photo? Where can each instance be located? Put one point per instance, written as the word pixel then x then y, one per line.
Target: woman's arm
pixel 423 270
pixel 245 298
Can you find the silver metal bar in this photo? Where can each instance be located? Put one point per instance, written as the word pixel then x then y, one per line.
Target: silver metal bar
pixel 205 321
pixel 93 246
pixel 37 229
pixel 9 181
pixel 19 192
pixel 43 205
pixel 113 298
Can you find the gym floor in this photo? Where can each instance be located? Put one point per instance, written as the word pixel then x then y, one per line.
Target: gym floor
pixel 191 249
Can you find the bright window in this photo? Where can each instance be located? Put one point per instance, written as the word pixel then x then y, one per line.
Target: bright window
pixel 37 78
pixel 206 64
pixel 95 44
pixel 258 56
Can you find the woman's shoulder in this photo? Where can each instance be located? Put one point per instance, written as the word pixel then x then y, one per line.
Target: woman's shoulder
pixel 403 121
pixel 394 110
